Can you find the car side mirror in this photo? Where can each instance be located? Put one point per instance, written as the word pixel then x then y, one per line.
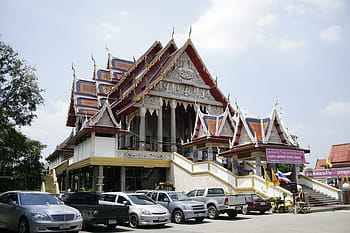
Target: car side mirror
pixel 13 203
pixel 126 203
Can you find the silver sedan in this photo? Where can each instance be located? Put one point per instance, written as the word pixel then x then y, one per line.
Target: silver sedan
pixel 142 210
pixel 31 211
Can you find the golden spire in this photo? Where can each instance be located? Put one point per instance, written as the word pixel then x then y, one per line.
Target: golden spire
pixel 93 60
pixel 189 34
pixel 172 34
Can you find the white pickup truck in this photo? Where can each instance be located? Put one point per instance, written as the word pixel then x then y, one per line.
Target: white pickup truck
pixel 217 202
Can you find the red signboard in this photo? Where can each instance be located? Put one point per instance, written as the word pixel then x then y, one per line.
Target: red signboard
pixel 285 156
pixel 324 173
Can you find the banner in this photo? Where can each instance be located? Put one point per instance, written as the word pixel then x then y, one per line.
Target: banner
pixel 324 173
pixel 285 156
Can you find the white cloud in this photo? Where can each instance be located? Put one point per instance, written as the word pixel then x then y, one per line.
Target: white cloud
pixel 267 20
pixel 292 9
pixel 108 31
pixel 232 25
pixel 325 4
pixel 288 45
pixel 332 34
pixel 337 109
pixel 47 128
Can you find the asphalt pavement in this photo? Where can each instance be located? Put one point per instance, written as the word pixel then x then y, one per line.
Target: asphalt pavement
pixel 319 222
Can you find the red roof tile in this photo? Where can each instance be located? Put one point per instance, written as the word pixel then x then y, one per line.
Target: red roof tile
pixel 340 153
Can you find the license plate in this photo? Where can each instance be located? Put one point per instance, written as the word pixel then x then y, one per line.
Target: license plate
pixel 64 226
pixel 112 221
pixel 238 208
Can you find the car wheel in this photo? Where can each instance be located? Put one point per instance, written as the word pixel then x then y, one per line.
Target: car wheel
pixel 198 220
pixel 212 212
pixel 179 217
pixel 245 211
pixel 232 214
pixel 23 226
pixel 133 221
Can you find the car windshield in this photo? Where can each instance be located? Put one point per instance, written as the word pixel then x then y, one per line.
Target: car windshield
pixel 178 196
pixel 37 199
pixel 141 200
pixel 254 197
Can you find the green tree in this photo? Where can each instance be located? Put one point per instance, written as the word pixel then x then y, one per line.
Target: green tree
pixel 19 97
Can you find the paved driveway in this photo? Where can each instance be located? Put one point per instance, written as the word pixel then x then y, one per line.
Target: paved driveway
pixel 323 222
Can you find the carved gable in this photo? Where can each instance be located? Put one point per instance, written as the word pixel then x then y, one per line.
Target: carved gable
pixel 244 138
pixel 185 72
pixel 105 120
pixel 185 83
pixel 274 137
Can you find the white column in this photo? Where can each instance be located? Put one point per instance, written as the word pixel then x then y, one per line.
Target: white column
pixel 116 145
pixel 122 179
pixel 100 179
pixel 235 164
pixel 142 128
pixel 92 145
pixel 173 125
pixel 160 126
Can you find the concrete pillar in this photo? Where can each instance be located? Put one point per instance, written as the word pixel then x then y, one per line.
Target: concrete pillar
pixel 100 179
pixel 93 144
pixel 258 166
pixel 122 179
pixel 297 171
pixel 142 128
pixel 160 126
pixel 210 154
pixel 235 164
pixel 173 125
pixel 116 145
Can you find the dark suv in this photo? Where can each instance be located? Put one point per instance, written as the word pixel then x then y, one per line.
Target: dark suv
pixel 255 203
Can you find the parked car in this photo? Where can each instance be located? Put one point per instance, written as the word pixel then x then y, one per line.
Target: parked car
pixel 181 208
pixel 142 210
pixel 217 202
pixel 256 203
pixel 94 213
pixel 31 211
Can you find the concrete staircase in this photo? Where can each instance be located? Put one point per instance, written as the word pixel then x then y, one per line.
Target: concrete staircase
pixel 50 183
pixel 317 199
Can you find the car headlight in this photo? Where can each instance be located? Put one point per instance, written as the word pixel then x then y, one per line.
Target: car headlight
pixel 187 207
pixel 145 212
pixel 40 217
pixel 78 216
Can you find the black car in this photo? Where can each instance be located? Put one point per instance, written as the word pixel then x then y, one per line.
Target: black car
pixel 256 203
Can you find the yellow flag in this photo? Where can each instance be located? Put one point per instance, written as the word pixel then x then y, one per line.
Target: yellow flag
pixel 274 179
pixel 342 177
pixel 268 180
pixel 330 165
pixel 346 177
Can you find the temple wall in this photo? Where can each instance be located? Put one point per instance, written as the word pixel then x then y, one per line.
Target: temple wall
pixel 185 182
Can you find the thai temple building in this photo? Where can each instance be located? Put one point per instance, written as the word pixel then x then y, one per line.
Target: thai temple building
pixel 162 118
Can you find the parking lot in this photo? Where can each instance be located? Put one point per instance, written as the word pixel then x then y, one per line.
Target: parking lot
pixel 323 222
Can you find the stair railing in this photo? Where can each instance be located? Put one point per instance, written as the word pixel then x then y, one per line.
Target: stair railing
pixel 320 187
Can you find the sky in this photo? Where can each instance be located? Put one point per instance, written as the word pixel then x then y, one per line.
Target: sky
pixel 295 53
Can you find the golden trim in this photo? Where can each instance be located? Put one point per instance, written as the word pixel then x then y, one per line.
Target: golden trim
pixel 60 168
pixel 236 188
pixel 107 161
